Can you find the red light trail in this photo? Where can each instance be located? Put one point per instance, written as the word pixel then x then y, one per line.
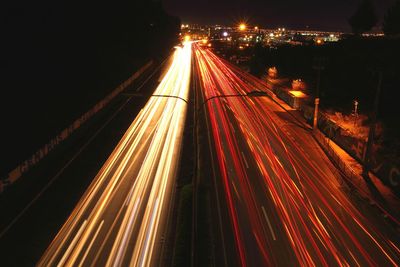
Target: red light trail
pixel 286 205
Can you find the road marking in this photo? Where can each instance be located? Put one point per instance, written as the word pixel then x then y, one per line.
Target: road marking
pixel 91 244
pixel 245 161
pixel 237 193
pixel 269 223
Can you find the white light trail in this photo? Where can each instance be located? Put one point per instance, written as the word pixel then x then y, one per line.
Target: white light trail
pixel 121 215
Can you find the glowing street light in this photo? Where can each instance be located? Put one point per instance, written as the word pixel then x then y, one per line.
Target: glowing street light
pixel 242 27
pixel 355 102
pixel 272 73
pixel 225 34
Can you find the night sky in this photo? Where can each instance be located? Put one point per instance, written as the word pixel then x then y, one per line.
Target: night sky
pixel 296 14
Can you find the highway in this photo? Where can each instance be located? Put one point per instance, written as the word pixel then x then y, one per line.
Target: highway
pixel 122 218
pixel 281 201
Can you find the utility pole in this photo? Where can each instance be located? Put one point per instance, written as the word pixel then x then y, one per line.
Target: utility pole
pixel 371 134
pixel 318 66
pixel 355 111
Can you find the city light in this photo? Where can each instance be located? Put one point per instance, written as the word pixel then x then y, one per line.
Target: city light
pixel 242 26
pixel 225 34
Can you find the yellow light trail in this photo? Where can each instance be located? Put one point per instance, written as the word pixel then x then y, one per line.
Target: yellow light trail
pixel 119 220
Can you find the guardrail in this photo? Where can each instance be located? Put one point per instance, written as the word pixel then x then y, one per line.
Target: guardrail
pixel 26 165
pixel 354 180
pixel 347 171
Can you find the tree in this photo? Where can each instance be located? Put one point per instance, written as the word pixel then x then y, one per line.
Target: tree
pixel 364 18
pixel 391 23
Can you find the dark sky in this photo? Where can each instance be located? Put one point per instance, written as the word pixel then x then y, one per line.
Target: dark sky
pixel 317 14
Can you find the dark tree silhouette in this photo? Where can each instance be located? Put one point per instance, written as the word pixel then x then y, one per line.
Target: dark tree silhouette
pixel 364 18
pixel 391 23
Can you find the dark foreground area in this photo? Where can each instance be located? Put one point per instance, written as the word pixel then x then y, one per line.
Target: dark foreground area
pixel 60 58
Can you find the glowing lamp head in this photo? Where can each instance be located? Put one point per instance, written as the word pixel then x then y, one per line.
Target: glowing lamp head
pixel 298 94
pixel 225 34
pixel 242 26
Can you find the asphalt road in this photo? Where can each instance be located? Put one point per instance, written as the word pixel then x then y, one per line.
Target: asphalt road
pixel 280 196
pixel 34 209
pixel 122 217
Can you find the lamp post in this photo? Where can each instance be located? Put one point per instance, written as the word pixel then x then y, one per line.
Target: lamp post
pixel 355 111
pixel 318 66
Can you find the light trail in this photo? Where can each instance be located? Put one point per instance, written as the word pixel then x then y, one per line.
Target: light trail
pixel 289 209
pixel 120 219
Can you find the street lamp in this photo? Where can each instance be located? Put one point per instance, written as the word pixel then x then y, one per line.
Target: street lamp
pixel 242 26
pixel 355 107
pixel 272 73
pixel 355 111
pixel 319 65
